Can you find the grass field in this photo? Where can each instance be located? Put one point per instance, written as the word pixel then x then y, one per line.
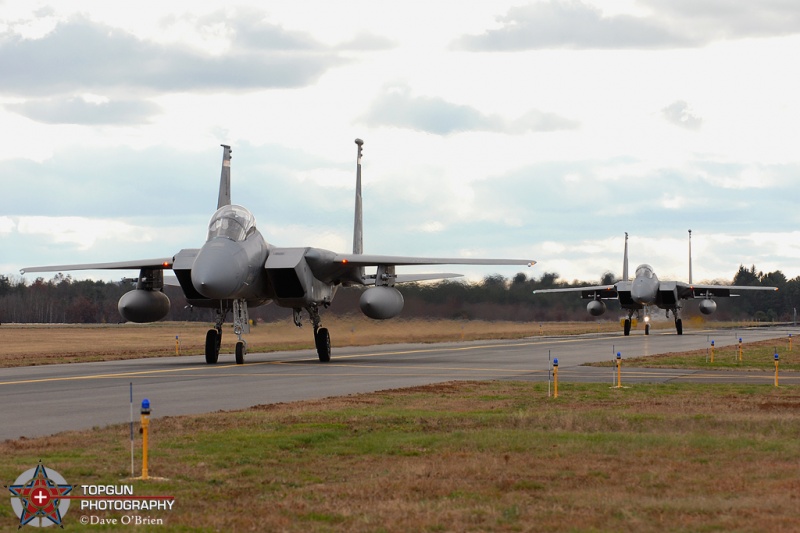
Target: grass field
pixel 468 456
pixel 755 356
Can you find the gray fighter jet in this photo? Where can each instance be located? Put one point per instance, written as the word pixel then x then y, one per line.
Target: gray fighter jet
pixel 236 269
pixel 646 290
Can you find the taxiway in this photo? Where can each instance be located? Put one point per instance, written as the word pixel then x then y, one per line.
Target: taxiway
pixel 44 400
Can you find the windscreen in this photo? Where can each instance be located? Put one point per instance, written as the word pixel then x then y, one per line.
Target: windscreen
pixel 233 222
pixel 644 271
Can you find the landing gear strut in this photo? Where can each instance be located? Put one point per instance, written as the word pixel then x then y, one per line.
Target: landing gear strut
pixel 241 325
pixel 322 338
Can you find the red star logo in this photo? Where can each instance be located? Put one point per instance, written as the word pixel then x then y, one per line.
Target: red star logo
pixel 40 497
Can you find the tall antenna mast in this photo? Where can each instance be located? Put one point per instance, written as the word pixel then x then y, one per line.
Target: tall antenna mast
pixel 358 223
pixel 690 257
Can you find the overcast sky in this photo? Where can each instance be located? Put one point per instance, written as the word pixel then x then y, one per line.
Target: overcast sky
pixel 541 130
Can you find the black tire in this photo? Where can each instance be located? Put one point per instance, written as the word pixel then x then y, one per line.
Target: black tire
pixel 240 353
pixel 679 326
pixel 212 346
pixel 627 327
pixel 647 329
pixel 323 341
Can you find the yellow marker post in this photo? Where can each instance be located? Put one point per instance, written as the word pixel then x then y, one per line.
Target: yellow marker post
pixel 145 427
pixel 177 345
pixel 619 371
pixel 555 377
pixel 740 349
pixel 712 351
pixel 776 369
pixel 790 342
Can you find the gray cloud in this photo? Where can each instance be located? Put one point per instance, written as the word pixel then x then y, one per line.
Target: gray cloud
pixel 73 110
pixel 397 107
pixel 731 20
pixel 672 24
pixel 366 42
pixel 81 55
pixel 680 114
pixel 558 24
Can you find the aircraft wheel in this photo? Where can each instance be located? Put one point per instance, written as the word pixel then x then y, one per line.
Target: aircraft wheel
pixel 241 350
pixel 627 327
pixel 647 329
pixel 679 326
pixel 323 341
pixel 212 347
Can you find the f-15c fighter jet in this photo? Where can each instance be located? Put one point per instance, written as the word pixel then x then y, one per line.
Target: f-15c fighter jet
pixel 646 290
pixel 237 269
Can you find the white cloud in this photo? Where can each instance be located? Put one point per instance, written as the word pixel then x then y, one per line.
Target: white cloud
pixel 482 135
pixel 82 232
pixel 7 224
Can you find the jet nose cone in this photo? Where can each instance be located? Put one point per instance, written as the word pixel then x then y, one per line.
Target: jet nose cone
pixel 218 271
pixel 642 292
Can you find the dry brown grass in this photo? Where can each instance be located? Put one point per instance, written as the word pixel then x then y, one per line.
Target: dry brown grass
pixel 24 345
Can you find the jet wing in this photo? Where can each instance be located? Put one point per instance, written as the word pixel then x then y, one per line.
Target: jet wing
pixel 688 292
pixel 408 278
pixel 359 260
pixel 121 265
pixel 588 293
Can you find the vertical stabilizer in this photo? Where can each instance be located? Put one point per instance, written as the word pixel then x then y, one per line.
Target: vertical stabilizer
pixel 625 260
pixel 690 257
pixel 358 223
pixel 225 178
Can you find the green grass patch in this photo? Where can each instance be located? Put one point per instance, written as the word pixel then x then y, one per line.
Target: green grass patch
pixel 491 456
pixel 755 356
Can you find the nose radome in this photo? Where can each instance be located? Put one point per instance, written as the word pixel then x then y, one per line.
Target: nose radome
pixel 217 272
pixel 641 291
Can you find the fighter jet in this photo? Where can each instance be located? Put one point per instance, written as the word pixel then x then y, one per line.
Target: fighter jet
pixel 237 269
pixel 646 290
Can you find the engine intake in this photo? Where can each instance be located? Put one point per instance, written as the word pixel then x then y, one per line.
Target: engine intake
pixel 381 303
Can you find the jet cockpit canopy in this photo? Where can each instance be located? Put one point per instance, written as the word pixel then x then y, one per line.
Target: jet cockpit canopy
pixel 233 222
pixel 644 271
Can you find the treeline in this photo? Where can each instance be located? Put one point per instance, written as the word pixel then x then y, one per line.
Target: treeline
pixel 65 300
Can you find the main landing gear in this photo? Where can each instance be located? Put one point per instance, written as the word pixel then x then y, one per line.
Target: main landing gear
pixel 322 338
pixel 678 322
pixel 241 325
pixel 628 323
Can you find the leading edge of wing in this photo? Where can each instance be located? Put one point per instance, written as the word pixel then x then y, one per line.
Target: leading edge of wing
pixel 595 288
pixel 119 265
pixel 360 260
pixel 688 291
